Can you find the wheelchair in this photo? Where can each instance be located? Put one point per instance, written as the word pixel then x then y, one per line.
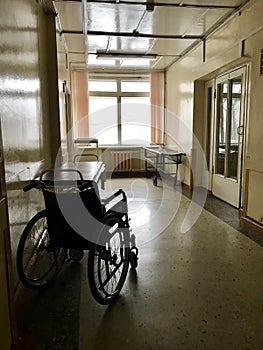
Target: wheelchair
pixel 76 219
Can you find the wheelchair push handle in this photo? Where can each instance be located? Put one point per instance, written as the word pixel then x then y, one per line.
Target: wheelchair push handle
pixel 29 187
pixel 48 176
pixel 33 184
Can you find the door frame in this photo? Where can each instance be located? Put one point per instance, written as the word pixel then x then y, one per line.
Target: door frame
pixel 209 111
pixel 244 69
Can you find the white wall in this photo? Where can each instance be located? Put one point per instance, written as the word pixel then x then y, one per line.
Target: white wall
pixel 223 51
pixel 254 153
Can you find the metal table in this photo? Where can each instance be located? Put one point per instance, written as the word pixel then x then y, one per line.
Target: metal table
pixel 157 159
pixel 94 171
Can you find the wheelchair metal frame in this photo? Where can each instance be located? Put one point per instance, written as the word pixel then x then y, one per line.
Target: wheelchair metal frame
pixel 61 184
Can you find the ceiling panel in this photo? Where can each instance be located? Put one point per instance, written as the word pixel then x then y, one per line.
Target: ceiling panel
pixel 130 28
pixel 113 17
pixel 162 63
pixel 203 23
pixel 75 42
pixel 130 44
pixel 106 43
pixel 70 14
pixel 94 43
pixel 170 46
pixel 169 20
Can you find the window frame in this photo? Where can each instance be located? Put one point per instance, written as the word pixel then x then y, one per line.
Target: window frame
pixel 119 94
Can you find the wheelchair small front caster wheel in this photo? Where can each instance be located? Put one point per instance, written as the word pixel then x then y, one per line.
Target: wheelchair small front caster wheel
pixel 155 181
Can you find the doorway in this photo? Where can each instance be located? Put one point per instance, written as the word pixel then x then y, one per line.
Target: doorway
pixel 225 134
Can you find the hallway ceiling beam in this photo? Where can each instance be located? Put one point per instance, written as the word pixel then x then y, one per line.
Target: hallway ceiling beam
pixel 134 34
pixel 160 4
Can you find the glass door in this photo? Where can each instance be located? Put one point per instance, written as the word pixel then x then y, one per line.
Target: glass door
pixel 228 145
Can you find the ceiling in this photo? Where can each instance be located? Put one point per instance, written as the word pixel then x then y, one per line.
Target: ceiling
pixel 166 29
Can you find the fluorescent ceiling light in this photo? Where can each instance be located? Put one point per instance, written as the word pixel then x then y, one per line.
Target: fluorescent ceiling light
pixel 124 56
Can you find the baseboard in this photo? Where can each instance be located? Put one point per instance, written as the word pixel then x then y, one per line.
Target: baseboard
pixel 186 187
pixel 250 223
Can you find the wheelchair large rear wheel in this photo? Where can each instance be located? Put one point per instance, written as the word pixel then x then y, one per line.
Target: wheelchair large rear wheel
pixel 38 262
pixel 108 265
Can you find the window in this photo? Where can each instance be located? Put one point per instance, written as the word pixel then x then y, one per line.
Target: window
pixel 118 110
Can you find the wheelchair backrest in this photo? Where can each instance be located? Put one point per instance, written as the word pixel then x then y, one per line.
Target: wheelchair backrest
pixel 73 215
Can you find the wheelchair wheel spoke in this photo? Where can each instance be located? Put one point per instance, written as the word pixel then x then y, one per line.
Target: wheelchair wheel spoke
pixel 37 261
pixel 108 267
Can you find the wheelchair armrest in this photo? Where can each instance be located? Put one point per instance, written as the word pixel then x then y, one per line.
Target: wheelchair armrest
pixel 116 194
pixel 116 205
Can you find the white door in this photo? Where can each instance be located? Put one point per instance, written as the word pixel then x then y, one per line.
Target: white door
pixel 229 136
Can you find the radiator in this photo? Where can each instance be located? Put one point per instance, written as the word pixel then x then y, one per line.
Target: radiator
pixel 121 161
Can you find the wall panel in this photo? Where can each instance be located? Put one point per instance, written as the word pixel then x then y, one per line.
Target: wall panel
pixel 27 104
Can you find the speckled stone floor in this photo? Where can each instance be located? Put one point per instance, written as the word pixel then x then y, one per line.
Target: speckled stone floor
pixel 201 289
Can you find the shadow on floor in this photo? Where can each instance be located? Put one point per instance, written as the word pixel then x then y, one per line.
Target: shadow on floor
pixel 50 320
pixel 229 215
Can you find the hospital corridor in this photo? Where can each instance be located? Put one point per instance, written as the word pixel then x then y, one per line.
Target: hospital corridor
pixel 131 174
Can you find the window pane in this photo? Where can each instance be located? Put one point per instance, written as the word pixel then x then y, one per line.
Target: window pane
pixel 208 124
pixel 236 85
pixel 234 123
pixel 103 119
pixel 136 120
pixel 102 85
pixel 135 86
pixel 225 87
pixel 221 128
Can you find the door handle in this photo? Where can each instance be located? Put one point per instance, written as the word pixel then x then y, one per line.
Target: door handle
pixel 240 130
